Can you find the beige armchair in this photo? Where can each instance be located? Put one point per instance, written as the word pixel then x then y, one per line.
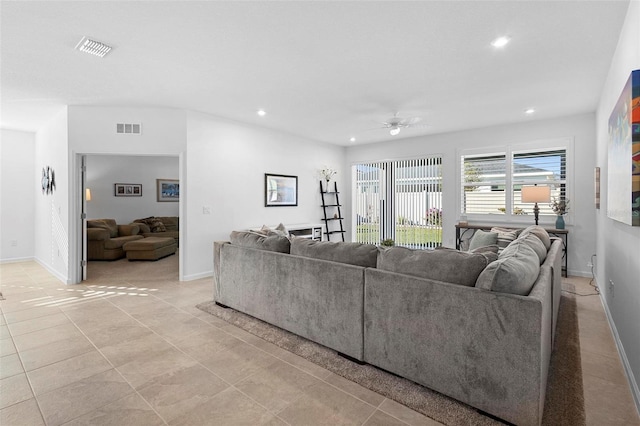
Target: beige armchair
pixel 105 238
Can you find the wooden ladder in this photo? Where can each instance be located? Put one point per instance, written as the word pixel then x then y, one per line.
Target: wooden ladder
pixel 331 207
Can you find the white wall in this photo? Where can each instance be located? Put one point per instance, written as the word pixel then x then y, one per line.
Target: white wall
pixel 51 211
pixel 18 189
pixel 92 130
pixel 226 162
pixel 618 246
pixel 103 171
pixel 580 128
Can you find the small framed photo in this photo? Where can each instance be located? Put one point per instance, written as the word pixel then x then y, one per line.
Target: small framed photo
pixel 128 190
pixel 168 190
pixel 280 190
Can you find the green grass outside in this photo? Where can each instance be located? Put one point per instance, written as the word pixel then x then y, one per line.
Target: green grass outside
pixel 405 235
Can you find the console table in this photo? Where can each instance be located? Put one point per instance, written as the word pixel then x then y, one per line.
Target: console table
pixel 312 231
pixel 469 230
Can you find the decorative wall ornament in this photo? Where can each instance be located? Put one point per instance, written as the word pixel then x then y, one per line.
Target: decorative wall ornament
pixel 127 190
pixel 623 193
pixel 168 190
pixel 48 180
pixel 280 190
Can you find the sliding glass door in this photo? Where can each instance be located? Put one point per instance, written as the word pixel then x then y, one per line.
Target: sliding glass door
pixel 399 200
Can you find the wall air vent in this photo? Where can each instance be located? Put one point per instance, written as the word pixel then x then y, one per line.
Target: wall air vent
pixel 93 47
pixel 130 128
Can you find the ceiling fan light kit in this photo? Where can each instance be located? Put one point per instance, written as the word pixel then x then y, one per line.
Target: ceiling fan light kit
pixel 394 131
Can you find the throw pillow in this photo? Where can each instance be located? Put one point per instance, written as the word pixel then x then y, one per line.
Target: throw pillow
pixel 156 225
pixel 505 237
pixel 482 238
pixel 514 272
pixel 448 265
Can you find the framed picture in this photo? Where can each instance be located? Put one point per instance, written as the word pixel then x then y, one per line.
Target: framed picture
pixel 280 190
pixel 168 189
pixel 127 190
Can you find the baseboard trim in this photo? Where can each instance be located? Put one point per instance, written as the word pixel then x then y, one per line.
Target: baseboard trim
pixel 201 275
pixel 584 274
pixel 58 275
pixel 633 384
pixel 17 260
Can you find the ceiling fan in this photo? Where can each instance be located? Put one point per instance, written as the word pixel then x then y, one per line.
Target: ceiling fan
pixel 396 123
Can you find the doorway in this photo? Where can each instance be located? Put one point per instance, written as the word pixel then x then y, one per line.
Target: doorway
pixel 122 187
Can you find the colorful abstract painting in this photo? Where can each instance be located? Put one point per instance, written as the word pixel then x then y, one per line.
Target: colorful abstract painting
pixel 624 155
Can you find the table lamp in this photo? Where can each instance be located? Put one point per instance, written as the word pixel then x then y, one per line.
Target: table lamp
pixel 536 194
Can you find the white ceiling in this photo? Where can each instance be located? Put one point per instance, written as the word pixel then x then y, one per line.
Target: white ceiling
pixel 326 71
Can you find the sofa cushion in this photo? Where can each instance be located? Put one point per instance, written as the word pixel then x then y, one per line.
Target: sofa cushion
pixel 515 271
pixel 482 238
pixel 534 242
pixel 171 223
pixel 109 224
pixel 252 240
pixel 486 249
pixel 539 232
pixel 144 228
pixel 118 242
pixel 448 265
pixel 351 253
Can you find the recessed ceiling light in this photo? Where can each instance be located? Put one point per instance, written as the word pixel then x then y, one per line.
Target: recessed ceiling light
pixel 93 47
pixel 352 140
pixel 261 112
pixel 500 42
pixel 529 111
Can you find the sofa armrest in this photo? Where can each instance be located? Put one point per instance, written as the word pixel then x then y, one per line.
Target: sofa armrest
pixel 127 230
pixel 98 234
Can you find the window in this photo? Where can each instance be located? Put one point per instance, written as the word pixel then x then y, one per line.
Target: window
pixel 492 182
pixel 399 200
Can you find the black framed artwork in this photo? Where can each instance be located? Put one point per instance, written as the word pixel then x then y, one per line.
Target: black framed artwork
pixel 280 190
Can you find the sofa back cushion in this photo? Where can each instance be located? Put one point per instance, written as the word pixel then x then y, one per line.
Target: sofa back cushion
pixel 539 232
pixel 534 242
pixel 515 271
pixel 108 224
pixel 276 243
pixel 171 223
pixel 358 254
pixel 448 265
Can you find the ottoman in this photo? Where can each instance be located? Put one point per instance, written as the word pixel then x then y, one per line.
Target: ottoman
pixel 151 248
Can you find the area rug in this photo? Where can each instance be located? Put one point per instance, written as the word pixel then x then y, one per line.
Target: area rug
pixel 564 403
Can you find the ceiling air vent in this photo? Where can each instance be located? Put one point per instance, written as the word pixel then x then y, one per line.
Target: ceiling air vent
pixel 130 128
pixel 93 47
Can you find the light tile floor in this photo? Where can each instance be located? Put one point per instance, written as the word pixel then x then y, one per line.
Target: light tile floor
pixel 128 347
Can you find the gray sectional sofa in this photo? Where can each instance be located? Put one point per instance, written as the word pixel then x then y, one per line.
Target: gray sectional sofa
pixel 434 317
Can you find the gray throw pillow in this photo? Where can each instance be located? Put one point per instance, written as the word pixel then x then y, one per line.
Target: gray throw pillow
pixel 505 237
pixel 514 272
pixel 358 254
pixel 448 265
pixel 482 238
pixel 276 243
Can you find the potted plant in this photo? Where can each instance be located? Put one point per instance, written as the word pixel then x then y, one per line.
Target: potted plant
pixel 387 242
pixel 560 207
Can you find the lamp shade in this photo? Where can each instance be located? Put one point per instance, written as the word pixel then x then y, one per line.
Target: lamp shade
pixel 87 194
pixel 536 194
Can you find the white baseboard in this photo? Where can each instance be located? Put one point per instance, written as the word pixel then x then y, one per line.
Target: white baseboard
pixel 635 391
pixel 58 275
pixel 17 260
pixel 584 274
pixel 193 277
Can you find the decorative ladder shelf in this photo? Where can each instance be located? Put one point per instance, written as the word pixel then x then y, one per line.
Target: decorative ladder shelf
pixel 331 207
